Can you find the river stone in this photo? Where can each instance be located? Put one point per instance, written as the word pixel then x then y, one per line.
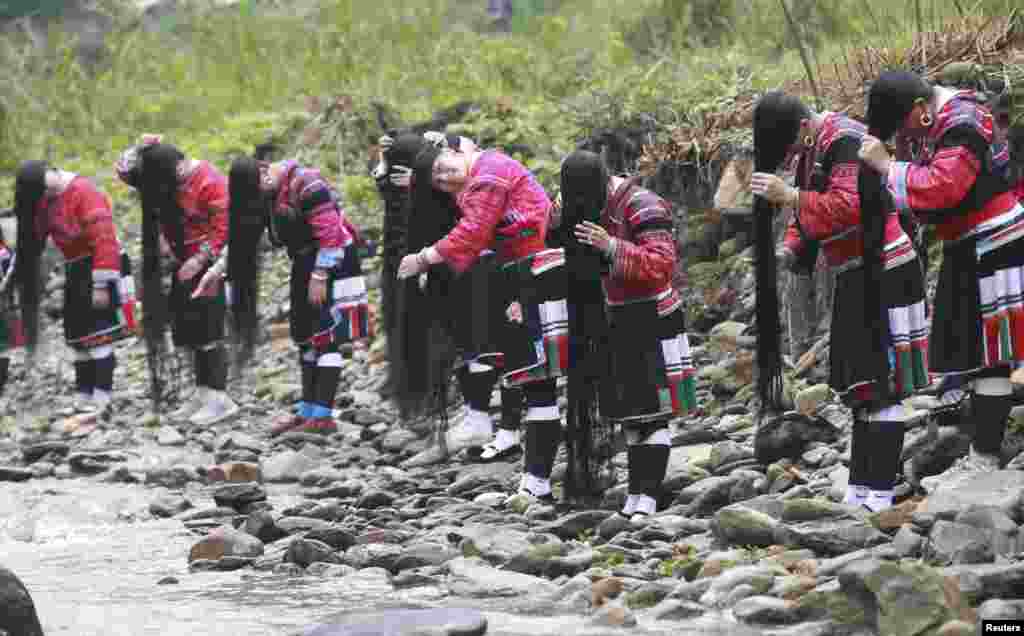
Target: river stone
pixel 169 436
pixel 905 598
pixel 1001 489
pixel 982 582
pixel 304 552
pixel 335 536
pixel 1002 531
pixel 570 526
pixel 11 473
pixel 168 505
pixel 374 555
pixel 35 452
pixel 376 498
pixel 474 578
pixel 673 610
pixel 287 466
pixel 831 538
pixel 951 542
pixel 739 525
pixel 764 610
pixel 405 622
pixel 423 555
pixel 757 577
pixel 226 541
pixel 787 436
pixel 238 495
pixel 262 525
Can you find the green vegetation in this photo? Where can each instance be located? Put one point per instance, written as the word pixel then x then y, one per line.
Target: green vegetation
pixel 222 80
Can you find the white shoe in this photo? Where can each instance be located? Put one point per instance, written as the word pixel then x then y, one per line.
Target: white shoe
pixel 630 506
pixel 218 407
pixel 532 490
pixel 505 442
pixel 964 468
pixel 474 430
pixel 190 406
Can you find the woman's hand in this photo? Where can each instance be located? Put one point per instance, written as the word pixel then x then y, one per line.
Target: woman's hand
pixel 514 312
pixel 411 265
pixel 401 176
pixel 208 284
pixel 594 235
pixel 100 297
pixel 874 153
pixel 773 189
pixel 191 267
pixel 318 288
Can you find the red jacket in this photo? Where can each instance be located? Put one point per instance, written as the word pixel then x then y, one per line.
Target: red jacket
pixel 80 221
pixel 644 261
pixel 204 198
pixel 954 186
pixel 829 208
pixel 503 208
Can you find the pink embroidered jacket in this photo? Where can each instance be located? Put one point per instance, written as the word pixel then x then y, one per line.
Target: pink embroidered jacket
pixel 204 198
pixel 829 207
pixel 306 194
pixel 644 261
pixel 81 223
pixel 503 208
pixel 955 185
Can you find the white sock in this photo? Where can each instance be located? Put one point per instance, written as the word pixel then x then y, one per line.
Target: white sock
pixel 630 506
pixel 101 397
pixel 537 486
pixel 879 500
pixel 646 505
pixel 856 495
pixel 479 422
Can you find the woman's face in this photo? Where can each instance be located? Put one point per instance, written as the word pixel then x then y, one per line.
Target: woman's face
pixel 450 171
pixel 912 126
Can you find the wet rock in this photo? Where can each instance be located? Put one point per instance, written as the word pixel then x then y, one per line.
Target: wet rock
pixel 288 569
pixel 765 610
pixel 173 477
pixel 692 590
pixel 1002 532
pixel 335 536
pixel 613 525
pixel 169 505
pixel 238 495
pixel 11 473
pixel 93 463
pixel 673 610
pixel 424 555
pixel 376 498
pixel 261 524
pixel 169 436
pixel 932 454
pixel 808 400
pixel 951 542
pixel 739 525
pixel 613 615
pixel 224 564
pixel 979 583
pixel 287 466
pixel 472 577
pixel 787 436
pixel 374 555
pixel 293 525
pixel 757 577
pixel 899 598
pixel 239 441
pixel 344 490
pixel 226 541
pixel 801 509
pixel 405 622
pixel 218 512
pixel 35 452
pixel 832 538
pixel 168 580
pixel 570 526
pixel 1001 609
pixel 1000 489
pixel 321 477
pixel 329 570
pixel 907 543
pixel 303 552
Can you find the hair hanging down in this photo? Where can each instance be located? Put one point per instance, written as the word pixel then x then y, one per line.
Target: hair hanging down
pixel 776 125
pixel 158 185
pixel 247 217
pixel 423 352
pixel 584 189
pixel 29 188
pixel 891 98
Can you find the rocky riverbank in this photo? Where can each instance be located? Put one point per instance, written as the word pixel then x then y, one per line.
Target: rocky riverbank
pixel 751 535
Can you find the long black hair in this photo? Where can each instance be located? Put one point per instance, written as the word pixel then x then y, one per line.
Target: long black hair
pixel 247 217
pixel 157 182
pixel 402 153
pixel 584 190
pixel 777 119
pixel 29 189
pixel 424 351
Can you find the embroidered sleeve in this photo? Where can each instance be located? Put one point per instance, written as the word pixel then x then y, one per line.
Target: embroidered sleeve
pixel 651 256
pixel 792 240
pixel 98 227
pixel 214 201
pixel 482 207
pixel 313 197
pixel 945 181
pixel 825 214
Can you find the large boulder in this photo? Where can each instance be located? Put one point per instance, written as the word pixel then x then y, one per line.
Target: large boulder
pixel 17 611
